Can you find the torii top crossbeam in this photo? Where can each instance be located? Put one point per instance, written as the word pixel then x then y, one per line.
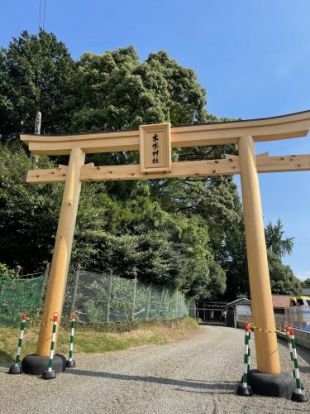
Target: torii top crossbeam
pixel 265 129
pixel 155 143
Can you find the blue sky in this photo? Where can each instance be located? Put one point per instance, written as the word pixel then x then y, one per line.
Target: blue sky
pixel 252 57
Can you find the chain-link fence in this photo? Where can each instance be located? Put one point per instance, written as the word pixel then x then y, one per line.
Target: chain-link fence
pixel 298 318
pixel 96 298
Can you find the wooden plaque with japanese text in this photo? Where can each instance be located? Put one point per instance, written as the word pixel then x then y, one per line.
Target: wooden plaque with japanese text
pixel 155 148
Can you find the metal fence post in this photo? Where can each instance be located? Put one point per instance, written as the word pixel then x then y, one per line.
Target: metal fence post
pixel 167 299
pixel 109 298
pixel 134 299
pixel 149 302
pixel 45 277
pixel 176 304
pixel 75 287
pixel 161 304
pixel 44 283
pixel 2 288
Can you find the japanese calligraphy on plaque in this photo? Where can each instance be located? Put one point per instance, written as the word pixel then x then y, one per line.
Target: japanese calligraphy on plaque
pixel 155 148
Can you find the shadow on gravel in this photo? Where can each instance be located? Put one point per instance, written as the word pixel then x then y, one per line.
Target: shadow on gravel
pixel 304 369
pixel 225 386
pixel 304 353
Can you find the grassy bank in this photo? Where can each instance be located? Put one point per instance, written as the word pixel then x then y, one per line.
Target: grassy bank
pixel 100 338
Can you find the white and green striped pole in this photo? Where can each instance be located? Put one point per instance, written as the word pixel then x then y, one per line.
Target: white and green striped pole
pixel 50 373
pixel 249 351
pixel 243 388
pixel 16 367
pixel 297 394
pixel 288 327
pixel 70 361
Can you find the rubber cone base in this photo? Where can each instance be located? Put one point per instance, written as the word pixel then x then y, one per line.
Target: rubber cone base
pixel 70 364
pixel 299 397
pixel 47 375
pixel 15 370
pixel 244 391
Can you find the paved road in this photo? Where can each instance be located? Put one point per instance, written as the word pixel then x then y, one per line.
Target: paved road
pixel 197 375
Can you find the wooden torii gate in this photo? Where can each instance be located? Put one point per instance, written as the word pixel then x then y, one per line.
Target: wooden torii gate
pixel 155 143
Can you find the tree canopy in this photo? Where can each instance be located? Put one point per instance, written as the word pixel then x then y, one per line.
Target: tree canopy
pixel 117 91
pixel 181 233
pixel 306 283
pixel 283 280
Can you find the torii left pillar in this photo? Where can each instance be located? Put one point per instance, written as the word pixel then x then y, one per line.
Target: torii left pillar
pixel 37 363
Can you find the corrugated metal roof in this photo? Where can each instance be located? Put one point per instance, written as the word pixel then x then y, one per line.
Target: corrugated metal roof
pixel 239 301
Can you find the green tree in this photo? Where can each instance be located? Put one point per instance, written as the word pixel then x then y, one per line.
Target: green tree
pixel 35 74
pixel 5 272
pixel 275 240
pixel 282 277
pixel 306 283
pixel 283 281
pixel 236 263
pixel 142 240
pixel 28 214
pixel 116 91
pixel 216 202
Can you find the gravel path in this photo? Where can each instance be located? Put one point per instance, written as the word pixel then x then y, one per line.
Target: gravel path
pixel 197 375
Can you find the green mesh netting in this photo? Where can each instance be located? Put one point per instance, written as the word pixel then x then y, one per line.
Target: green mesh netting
pixel 19 295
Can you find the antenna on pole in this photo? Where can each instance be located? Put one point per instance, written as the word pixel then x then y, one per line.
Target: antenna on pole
pixel 37 131
pixel 38 123
pixel 38 118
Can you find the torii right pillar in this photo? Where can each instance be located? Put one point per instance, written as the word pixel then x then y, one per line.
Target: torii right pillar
pixel 262 309
pixel 267 379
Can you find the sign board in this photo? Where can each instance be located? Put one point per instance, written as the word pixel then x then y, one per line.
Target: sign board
pixel 243 310
pixel 155 148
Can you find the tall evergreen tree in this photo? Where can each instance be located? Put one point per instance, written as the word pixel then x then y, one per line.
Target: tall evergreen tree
pixel 35 74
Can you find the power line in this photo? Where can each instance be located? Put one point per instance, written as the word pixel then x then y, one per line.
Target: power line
pixel 42 13
pixel 38 118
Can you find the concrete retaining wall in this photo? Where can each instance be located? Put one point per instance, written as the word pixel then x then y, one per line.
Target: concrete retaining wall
pixel 302 338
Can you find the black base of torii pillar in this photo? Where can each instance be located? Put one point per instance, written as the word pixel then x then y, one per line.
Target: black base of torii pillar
pixel 35 364
pixel 281 385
